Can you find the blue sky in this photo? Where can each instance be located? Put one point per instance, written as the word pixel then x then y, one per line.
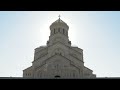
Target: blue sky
pixel 96 32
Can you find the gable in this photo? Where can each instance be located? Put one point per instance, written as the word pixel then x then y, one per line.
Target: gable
pixel 58 59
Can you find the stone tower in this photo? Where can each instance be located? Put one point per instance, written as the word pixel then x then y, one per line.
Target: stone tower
pixel 58 59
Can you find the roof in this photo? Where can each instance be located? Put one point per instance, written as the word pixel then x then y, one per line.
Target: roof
pixel 59 21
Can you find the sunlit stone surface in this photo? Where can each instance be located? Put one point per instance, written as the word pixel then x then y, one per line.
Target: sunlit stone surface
pixel 58 59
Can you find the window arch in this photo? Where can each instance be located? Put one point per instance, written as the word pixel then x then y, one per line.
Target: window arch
pixel 54 31
pixel 58 29
pixel 67 33
pixel 57 76
pixel 58 51
pixel 73 74
pixel 63 31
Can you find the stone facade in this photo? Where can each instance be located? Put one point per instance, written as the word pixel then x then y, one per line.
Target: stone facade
pixel 58 59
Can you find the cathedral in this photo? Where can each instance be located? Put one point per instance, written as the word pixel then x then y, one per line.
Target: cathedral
pixel 58 59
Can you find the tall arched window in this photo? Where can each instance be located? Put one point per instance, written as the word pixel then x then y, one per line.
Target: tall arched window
pixel 58 29
pixel 54 31
pixel 51 33
pixel 73 74
pixel 63 31
pixel 67 33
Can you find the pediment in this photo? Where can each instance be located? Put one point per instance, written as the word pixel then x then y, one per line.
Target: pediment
pixel 61 60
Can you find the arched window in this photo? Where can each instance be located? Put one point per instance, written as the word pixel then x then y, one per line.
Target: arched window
pixel 54 31
pixel 69 74
pixel 63 31
pixel 73 74
pixel 67 33
pixel 58 29
pixel 57 76
pixel 60 53
pixel 40 75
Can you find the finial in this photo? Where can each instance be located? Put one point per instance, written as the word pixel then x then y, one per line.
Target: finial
pixel 59 16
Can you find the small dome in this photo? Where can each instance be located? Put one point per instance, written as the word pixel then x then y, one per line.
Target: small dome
pixel 59 23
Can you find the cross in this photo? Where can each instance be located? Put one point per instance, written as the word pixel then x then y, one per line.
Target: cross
pixel 59 16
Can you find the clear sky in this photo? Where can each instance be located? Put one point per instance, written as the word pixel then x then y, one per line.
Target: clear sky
pixel 96 32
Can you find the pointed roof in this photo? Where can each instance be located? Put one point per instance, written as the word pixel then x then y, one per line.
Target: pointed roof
pixel 59 21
